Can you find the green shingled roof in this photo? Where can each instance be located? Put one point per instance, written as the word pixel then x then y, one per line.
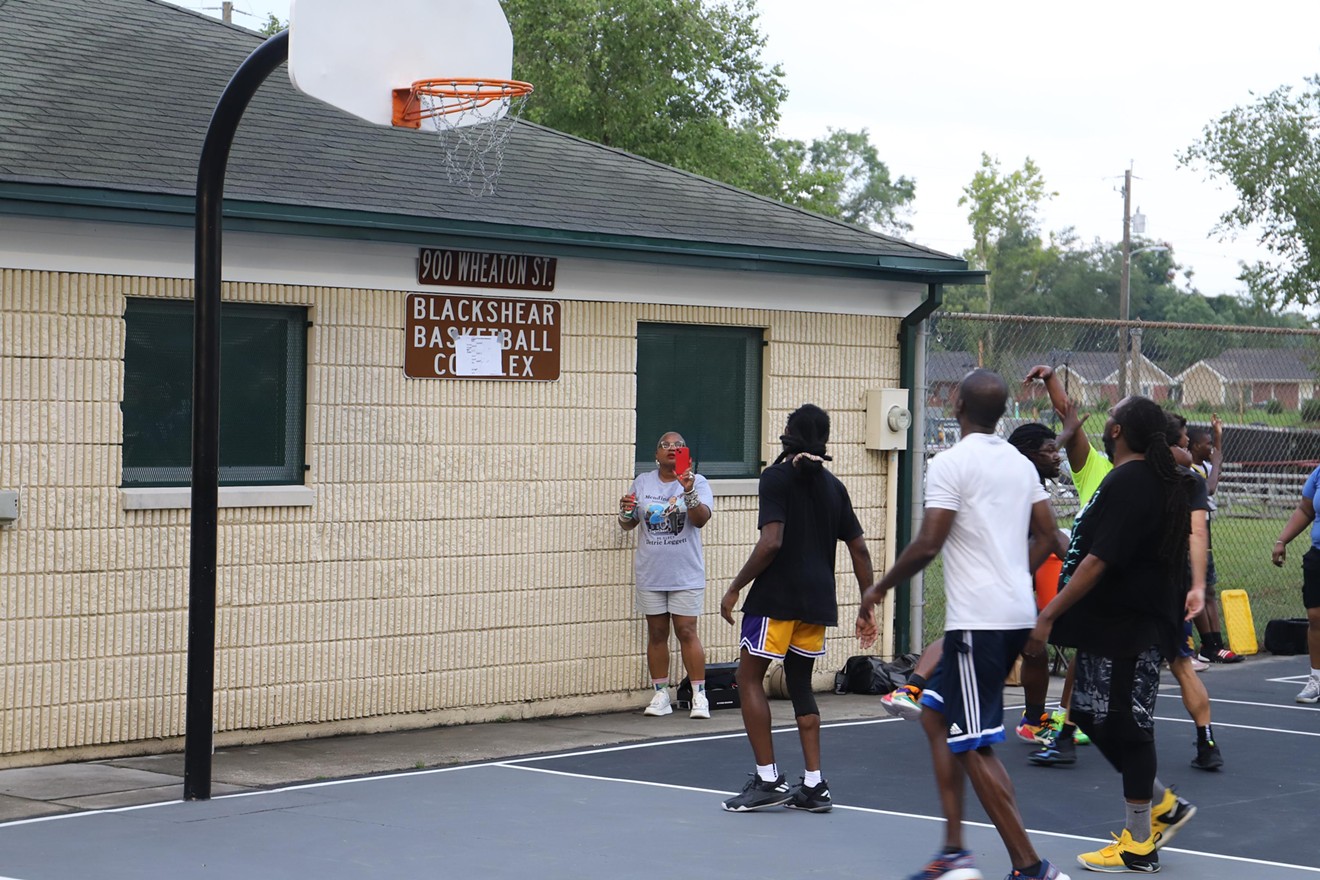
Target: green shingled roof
pixel 113 96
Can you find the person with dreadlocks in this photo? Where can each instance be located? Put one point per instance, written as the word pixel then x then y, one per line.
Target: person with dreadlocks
pixel 983 501
pixel 1123 597
pixel 804 512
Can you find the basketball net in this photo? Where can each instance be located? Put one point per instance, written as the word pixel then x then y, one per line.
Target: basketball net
pixel 474 120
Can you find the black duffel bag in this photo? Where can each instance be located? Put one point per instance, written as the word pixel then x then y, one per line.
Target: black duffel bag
pixel 865 674
pixel 1286 636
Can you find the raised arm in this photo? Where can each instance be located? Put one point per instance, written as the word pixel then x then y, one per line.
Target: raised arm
pixel 1073 439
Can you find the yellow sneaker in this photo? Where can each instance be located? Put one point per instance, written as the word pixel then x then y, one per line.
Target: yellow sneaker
pixel 1123 855
pixel 1169 816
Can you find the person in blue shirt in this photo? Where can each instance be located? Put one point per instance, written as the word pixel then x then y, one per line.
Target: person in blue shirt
pixel 1301 518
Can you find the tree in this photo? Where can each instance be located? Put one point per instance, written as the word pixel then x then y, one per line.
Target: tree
pixel 841 175
pixel 273 25
pixel 1002 207
pixel 682 82
pixel 666 79
pixel 1269 151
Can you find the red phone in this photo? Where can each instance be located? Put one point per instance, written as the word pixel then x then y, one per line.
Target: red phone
pixel 682 459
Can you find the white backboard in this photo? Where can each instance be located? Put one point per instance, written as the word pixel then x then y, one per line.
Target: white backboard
pixel 352 54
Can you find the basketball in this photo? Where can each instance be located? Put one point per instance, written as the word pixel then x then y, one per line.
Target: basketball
pixel 776 687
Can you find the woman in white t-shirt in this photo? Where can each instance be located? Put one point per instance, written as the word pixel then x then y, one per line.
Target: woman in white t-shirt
pixel 671 508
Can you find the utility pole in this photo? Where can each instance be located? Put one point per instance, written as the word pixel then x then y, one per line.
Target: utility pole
pixel 1135 378
pixel 1124 283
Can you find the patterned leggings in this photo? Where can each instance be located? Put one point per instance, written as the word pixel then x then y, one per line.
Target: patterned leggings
pixel 1114 702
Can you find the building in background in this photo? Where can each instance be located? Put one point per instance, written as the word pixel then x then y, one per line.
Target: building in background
pixel 1246 377
pixel 430 402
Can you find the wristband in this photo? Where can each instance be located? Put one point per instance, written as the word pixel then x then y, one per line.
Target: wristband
pixel 692 500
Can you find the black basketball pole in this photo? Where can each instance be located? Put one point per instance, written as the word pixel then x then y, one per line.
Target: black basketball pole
pixel 229 109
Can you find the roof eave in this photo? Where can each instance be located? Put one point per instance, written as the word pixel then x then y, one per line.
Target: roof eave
pixel 130 206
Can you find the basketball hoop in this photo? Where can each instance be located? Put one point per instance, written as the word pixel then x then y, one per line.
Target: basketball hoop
pixel 474 117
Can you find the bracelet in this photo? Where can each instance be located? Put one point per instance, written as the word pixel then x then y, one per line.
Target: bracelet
pixel 1281 541
pixel 692 499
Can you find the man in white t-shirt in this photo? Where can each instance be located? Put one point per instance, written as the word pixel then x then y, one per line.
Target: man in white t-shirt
pixel 983 500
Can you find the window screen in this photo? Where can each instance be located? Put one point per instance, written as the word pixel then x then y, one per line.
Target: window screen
pixel 263 390
pixel 705 383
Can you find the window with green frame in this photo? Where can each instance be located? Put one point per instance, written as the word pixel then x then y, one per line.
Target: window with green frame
pixel 263 393
pixel 705 383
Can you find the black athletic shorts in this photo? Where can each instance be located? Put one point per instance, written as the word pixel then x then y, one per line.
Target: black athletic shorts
pixel 1311 578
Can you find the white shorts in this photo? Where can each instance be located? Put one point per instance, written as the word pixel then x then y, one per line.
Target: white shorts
pixel 686 603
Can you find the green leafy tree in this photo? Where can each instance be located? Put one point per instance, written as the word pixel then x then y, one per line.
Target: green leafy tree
pixel 683 82
pixel 678 81
pixel 1002 210
pixel 1269 151
pixel 273 25
pixel 842 175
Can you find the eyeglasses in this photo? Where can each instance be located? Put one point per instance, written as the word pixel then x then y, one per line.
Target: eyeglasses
pixel 677 444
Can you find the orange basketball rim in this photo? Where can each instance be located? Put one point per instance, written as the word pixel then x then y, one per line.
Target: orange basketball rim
pixel 429 98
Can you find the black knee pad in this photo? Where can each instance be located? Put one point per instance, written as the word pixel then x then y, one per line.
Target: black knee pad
pixel 797 675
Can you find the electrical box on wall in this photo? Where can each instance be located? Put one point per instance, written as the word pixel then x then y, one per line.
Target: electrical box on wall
pixel 8 506
pixel 887 418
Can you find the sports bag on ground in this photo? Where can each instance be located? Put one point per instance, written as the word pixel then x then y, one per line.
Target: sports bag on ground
pixel 1286 636
pixel 865 674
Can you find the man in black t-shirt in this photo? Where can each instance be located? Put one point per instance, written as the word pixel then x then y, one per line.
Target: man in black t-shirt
pixel 1123 595
pixel 804 512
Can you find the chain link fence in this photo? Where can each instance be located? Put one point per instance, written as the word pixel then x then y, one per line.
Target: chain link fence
pixel 1261 382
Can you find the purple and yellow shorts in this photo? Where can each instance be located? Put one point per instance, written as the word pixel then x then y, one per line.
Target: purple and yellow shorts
pixel 767 637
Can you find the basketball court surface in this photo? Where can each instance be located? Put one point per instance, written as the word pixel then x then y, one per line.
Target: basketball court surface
pixel 652 809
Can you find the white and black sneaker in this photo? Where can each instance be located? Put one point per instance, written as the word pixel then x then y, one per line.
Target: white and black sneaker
pixel 813 799
pixel 758 794
pixel 660 704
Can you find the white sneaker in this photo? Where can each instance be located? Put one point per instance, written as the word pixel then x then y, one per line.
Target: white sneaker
pixel 1310 693
pixel 700 705
pixel 660 704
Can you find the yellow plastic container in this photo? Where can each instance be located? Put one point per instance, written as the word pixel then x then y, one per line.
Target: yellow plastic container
pixel 1238 624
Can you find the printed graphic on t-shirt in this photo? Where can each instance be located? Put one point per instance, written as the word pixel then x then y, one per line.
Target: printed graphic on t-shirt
pixel 665 521
pixel 1074 556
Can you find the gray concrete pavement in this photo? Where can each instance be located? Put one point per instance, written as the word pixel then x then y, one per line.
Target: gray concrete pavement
pixel 29 792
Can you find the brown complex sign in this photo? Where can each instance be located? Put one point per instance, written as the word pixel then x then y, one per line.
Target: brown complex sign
pixel 477 337
pixel 484 269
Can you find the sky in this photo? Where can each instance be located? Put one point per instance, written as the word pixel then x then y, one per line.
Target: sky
pixel 1086 90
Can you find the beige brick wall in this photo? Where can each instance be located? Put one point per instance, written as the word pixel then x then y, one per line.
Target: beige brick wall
pixel 461 560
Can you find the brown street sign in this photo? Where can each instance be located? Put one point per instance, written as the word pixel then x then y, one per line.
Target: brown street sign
pixel 477 337
pixel 453 268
